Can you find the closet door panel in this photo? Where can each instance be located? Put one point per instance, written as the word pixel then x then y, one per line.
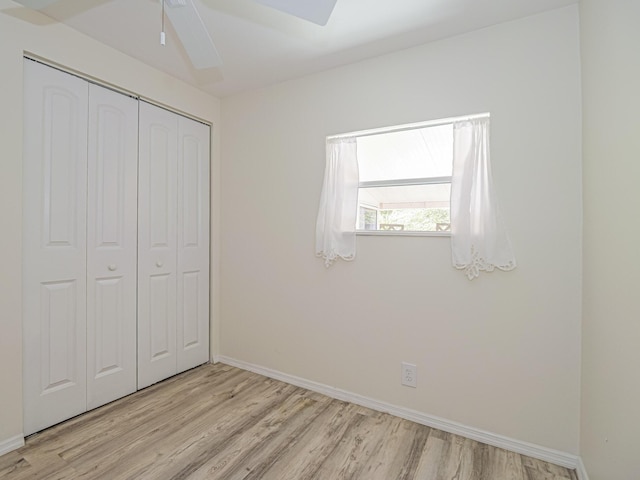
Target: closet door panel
pixel 111 246
pixel 193 244
pixel 54 246
pixel 157 244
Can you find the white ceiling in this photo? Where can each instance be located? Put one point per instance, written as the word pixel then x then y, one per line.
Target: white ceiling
pixel 260 46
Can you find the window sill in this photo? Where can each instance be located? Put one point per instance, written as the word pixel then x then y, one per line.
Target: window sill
pixel 400 233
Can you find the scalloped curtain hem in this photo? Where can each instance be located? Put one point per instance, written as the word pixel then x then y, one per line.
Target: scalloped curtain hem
pixel 472 270
pixel 330 258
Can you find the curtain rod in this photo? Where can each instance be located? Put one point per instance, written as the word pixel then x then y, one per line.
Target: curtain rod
pixel 409 126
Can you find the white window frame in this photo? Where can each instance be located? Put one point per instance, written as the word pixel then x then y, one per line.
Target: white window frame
pixel 403 182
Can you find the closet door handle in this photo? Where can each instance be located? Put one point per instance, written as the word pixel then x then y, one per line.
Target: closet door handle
pixel 113 267
pixel 159 263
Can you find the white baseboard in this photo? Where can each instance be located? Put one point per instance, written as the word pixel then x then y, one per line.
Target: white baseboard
pixel 581 471
pixel 542 453
pixel 11 444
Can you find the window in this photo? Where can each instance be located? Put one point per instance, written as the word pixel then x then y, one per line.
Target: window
pixel 405 179
pixel 421 179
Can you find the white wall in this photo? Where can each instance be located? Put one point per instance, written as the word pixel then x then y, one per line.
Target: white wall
pixel 20 32
pixel 610 445
pixel 501 353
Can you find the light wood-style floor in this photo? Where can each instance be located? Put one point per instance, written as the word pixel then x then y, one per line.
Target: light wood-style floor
pixel 219 422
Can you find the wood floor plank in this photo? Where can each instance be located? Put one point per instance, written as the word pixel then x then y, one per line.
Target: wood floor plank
pixel 221 423
pixel 254 451
pixel 538 470
pixel 197 424
pixel 499 463
pixel 364 439
pixel 434 451
pixel 459 458
pixel 50 467
pixel 13 464
pixel 302 459
pixel 398 454
pixel 98 427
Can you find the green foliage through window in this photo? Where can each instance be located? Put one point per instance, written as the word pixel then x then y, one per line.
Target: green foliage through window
pixel 417 219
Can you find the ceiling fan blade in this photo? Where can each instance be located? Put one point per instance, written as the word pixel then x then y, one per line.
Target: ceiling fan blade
pixel 193 34
pixel 36 4
pixel 316 11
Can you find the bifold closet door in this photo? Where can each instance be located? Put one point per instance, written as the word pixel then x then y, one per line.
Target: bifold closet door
pixel 173 245
pixel 112 224
pixel 157 240
pixel 79 246
pixel 193 244
pixel 54 246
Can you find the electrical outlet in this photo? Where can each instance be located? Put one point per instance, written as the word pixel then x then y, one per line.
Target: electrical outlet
pixel 409 376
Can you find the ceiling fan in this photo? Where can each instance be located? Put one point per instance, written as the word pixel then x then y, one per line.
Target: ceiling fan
pixel 194 35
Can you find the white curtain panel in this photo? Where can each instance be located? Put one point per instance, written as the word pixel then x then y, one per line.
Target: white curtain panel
pixel 479 240
pixel 336 224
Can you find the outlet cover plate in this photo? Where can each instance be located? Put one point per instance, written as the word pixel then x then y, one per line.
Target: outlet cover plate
pixel 409 376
